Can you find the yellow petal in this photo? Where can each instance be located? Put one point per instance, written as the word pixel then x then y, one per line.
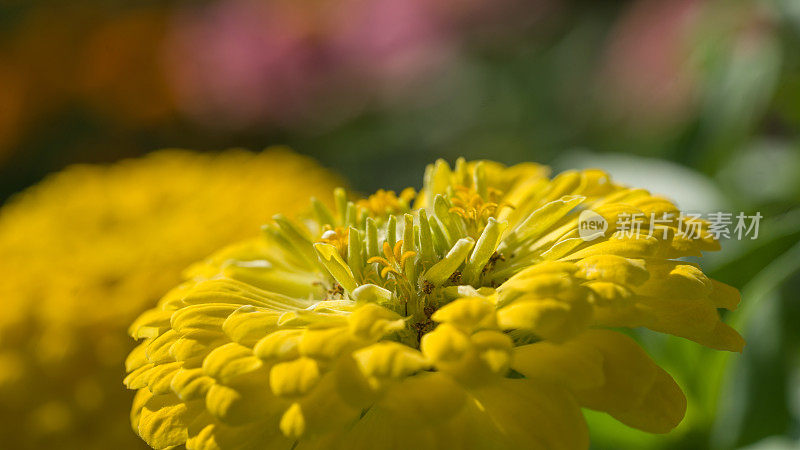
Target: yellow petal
pixel 229 362
pixel 484 248
pixel 294 378
pixel 534 415
pixel 138 356
pixel 550 285
pixel 372 293
pixel 325 344
pixel 389 360
pixel 164 420
pixel 724 296
pixel 423 400
pixel 546 267
pixel 350 383
pixel 371 322
pixel 209 316
pixel 611 295
pixel 279 345
pixel 675 279
pixel 472 360
pixel 542 219
pixel 467 314
pixel 572 363
pixel 446 344
pixel 494 349
pixel 196 343
pixel 238 406
pixel 140 399
pixel 325 410
pixel 160 377
pixel 563 184
pixel 256 435
pixel 661 409
pixel 612 268
pixel 138 378
pixel 636 391
pixel 546 280
pixel 248 324
pixel 159 349
pixel 190 384
pixel 330 258
pixel 150 324
pixel 441 271
pixel 293 424
pixel 551 319
pixel 638 246
pixel 265 275
pixel 677 299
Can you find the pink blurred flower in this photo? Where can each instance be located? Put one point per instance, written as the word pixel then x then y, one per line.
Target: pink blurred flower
pixel 646 77
pixel 240 62
pixel 390 42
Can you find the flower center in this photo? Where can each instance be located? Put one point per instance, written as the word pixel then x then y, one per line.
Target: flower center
pixel 414 263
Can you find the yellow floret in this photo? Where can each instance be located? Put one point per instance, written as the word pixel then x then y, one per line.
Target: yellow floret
pixel 88 249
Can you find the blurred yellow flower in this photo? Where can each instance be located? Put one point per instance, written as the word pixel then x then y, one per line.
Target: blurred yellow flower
pixel 88 249
pixel 478 318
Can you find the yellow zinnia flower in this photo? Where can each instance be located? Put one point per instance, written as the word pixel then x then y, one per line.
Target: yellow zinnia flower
pixel 87 250
pixel 479 318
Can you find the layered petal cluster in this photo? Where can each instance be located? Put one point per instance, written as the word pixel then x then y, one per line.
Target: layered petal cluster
pixel 87 250
pixel 474 315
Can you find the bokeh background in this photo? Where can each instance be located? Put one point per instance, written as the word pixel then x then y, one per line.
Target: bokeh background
pixel 697 99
